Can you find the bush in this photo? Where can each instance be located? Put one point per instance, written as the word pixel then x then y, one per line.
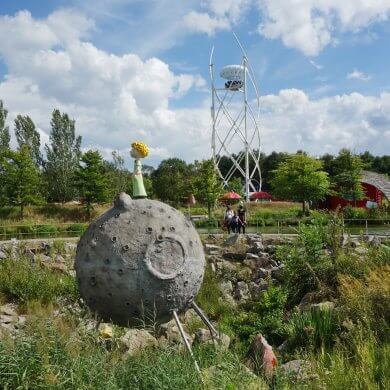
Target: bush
pixel 25 281
pixel 263 316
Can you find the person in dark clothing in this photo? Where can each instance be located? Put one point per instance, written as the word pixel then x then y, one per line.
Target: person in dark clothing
pixel 241 219
pixel 234 223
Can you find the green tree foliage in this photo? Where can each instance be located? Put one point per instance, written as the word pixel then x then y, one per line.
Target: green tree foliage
pixel 171 181
pixel 117 174
pixel 21 179
pixel 207 185
pixel 236 186
pixel 63 156
pixel 300 178
pixel 4 130
pixel 347 175
pixel 26 134
pixel 92 184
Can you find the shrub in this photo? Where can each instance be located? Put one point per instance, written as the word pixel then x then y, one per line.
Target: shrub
pixel 263 316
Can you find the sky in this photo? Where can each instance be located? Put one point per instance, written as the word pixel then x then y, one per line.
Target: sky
pixel 130 70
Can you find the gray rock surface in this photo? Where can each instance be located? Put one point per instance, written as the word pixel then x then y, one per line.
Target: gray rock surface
pixel 136 340
pixel 141 259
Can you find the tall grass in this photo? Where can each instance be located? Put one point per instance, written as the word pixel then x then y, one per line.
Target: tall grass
pixel 25 281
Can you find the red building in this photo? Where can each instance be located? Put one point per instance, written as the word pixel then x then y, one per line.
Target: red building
pixel 376 189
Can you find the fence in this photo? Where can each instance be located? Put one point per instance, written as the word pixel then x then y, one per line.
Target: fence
pixel 289 226
pixel 266 226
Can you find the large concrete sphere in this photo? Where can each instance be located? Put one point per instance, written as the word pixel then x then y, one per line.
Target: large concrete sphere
pixel 138 262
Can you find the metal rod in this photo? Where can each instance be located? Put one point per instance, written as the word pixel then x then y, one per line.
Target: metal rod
pixel 186 343
pixel 213 331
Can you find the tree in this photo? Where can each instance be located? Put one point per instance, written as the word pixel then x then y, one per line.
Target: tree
pixel 300 178
pixel 347 175
pixel 118 176
pixel 4 130
pixel 63 156
pixel 171 181
pixel 26 134
pixel 22 181
pixel 92 184
pixel 236 186
pixel 207 186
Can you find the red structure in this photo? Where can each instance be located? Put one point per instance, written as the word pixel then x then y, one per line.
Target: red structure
pixel 376 189
pixel 261 195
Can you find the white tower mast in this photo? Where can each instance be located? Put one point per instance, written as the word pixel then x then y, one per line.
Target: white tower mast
pixel 235 130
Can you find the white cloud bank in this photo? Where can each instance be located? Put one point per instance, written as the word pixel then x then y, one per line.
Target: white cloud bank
pixel 116 99
pixel 309 25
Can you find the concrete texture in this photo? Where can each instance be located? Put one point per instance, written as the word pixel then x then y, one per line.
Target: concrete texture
pixel 138 262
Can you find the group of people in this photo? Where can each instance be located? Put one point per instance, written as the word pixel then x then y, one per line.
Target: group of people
pixel 235 221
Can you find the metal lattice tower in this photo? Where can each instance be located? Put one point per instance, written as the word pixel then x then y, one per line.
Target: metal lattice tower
pixel 235 131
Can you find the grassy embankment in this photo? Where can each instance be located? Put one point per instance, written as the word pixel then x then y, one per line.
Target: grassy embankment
pixel 347 347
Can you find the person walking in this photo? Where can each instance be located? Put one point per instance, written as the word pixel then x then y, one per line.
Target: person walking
pixel 241 219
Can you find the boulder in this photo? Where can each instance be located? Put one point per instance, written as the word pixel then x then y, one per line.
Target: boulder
pixel 171 332
pixel 2 255
pixel 106 331
pixel 59 259
pixel 231 240
pixel 260 357
pixel 278 273
pixel 136 340
pixel 203 336
pixel 242 291
pixel 234 256
pixel 244 273
pixel 211 248
pixel 252 238
pixel 9 310
pixel 56 267
pixel 296 368
pixel 251 256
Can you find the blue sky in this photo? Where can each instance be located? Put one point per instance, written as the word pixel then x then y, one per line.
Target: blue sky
pixel 132 69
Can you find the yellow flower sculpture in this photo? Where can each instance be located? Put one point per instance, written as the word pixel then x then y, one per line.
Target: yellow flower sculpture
pixel 141 147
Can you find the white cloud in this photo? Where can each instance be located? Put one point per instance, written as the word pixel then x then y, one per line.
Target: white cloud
pixel 356 74
pixel 202 22
pixel 113 98
pixel 309 25
pixel 116 99
pixel 218 15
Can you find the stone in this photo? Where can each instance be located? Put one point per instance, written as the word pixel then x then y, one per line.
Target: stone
pixel 6 319
pixel 296 368
pixel 59 259
pixel 257 288
pixel 345 240
pixel 260 357
pixel 211 248
pixel 2 255
pixel 251 256
pixel 264 273
pixel 9 310
pixel 172 332
pixel 231 240
pixel 56 267
pixel 244 273
pixel 323 306
pixel 44 258
pixel 136 340
pixel 203 336
pixel 252 238
pixel 242 291
pixel 45 246
pixel 106 331
pixel 234 256
pixel 226 266
pixel 226 287
pixel 190 316
pixel 278 273
pixel 361 250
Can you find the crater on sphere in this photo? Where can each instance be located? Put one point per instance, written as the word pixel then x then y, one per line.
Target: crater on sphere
pixel 166 257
